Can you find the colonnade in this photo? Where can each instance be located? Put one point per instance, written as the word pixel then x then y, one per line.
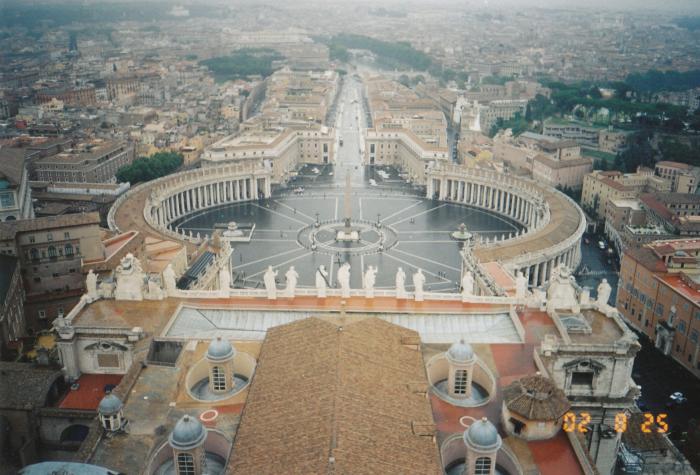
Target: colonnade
pixel 184 200
pixel 523 201
pixel 538 274
pixel 504 201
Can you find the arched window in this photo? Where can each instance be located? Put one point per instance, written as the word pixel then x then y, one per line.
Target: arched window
pixel 68 249
pixel 218 378
pixel 482 466
pixel 34 253
pixel 52 252
pixel 185 464
pixel 461 381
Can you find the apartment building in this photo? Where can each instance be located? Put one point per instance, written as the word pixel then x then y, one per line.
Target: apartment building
pixel 15 193
pixel 677 212
pixel 12 322
pixel 596 137
pixel 94 162
pixel 659 295
pixel 599 187
pixel 51 252
pixel 684 178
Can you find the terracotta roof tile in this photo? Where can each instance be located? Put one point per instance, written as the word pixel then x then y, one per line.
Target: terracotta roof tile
pixel 330 399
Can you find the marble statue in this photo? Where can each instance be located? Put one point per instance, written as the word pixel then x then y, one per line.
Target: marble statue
pixel 604 291
pixel 400 284
pixel 369 281
pixel 584 298
pixel 520 285
pixel 154 291
pixel 292 277
pixel 169 282
pixel 418 282
pixel 270 284
pixel 561 293
pixel 321 281
pixel 224 279
pixel 467 285
pixel 91 286
pixel 130 279
pixel 344 279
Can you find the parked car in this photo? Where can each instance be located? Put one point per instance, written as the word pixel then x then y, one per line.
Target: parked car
pixel 601 245
pixel 677 398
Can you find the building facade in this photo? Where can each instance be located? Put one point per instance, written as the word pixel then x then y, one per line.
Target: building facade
pixel 89 163
pixel 51 252
pixel 15 193
pixel 659 295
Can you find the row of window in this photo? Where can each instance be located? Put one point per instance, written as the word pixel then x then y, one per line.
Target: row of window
pixel 52 252
pixel 49 237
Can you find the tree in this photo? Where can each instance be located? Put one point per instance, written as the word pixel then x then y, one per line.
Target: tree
pixel 403 79
pixel 148 168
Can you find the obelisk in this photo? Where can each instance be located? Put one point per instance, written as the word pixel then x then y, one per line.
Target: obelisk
pixel 346 233
pixel 347 209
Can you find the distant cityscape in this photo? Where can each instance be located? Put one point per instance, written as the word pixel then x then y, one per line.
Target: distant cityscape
pixel 350 237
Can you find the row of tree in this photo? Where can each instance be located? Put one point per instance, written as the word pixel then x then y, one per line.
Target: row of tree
pixel 149 168
pixel 388 53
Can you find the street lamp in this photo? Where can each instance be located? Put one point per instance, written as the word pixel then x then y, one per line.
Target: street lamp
pixel 317 222
pixel 379 223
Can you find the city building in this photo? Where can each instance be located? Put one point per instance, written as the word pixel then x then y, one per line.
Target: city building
pixel 281 150
pixel 93 162
pixel 626 225
pixel 658 295
pixel 595 137
pixel 677 212
pixel 684 178
pixel 51 252
pixel 12 322
pixel 15 193
pixel 599 187
pixel 561 165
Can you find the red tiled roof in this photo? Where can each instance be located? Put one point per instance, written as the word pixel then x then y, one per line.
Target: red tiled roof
pixel 675 281
pixel 90 392
pixel 555 456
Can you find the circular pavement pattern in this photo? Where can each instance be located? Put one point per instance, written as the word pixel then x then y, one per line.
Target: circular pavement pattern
pixel 413 232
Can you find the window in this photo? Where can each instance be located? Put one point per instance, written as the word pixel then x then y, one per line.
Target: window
pixel 34 253
pixel 681 327
pixel 659 309
pixel 185 464
pixel 482 466
pixel 218 378
pixel 461 381
pixel 68 250
pixel 49 237
pixel 7 200
pixel 694 336
pixel 52 252
pixel 66 235
pixel 582 379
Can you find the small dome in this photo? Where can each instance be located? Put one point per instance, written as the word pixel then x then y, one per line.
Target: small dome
pixel 220 350
pixel 482 435
pixel 110 404
pixel 460 352
pixel 187 434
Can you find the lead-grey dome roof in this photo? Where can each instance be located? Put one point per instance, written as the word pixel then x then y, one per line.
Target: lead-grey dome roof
pixel 482 435
pixel 187 434
pixel 110 404
pixel 460 352
pixel 220 350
